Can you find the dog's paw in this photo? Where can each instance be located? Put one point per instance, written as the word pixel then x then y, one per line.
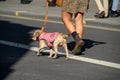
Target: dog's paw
pixel 49 56
pixel 38 54
pixel 55 57
pixel 66 58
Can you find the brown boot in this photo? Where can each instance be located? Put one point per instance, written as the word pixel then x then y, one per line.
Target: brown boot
pixel 77 48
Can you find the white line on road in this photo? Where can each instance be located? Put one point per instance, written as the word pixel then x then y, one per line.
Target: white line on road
pixel 79 58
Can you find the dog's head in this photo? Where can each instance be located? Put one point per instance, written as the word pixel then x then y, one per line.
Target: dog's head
pixel 36 34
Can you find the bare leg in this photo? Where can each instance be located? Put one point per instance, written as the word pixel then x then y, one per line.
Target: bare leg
pixel 67 19
pixel 79 33
pixel 79 24
pixel 76 31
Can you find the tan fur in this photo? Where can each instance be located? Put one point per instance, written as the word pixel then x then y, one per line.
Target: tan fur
pixel 60 40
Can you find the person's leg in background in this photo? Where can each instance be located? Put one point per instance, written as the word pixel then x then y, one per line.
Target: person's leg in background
pixel 113 12
pixel 115 5
pixel 99 5
pixel 101 12
pixel 106 7
pixel 110 4
pixel 52 3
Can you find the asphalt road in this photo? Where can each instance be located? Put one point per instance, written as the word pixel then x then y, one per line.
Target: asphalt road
pixel 100 59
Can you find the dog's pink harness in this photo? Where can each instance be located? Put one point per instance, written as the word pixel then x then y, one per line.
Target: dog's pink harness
pixel 49 37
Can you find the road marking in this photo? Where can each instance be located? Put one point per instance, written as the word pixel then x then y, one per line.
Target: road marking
pixel 78 58
pixel 103 28
pixel 35 19
pixel 58 22
pixel 17 12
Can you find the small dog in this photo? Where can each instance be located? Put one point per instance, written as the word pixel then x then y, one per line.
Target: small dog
pixel 51 40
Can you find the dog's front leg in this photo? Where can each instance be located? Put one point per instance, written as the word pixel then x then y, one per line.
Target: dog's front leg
pixel 42 44
pixel 51 53
pixel 39 52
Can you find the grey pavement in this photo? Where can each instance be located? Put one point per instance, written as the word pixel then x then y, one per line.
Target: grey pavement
pixel 36 9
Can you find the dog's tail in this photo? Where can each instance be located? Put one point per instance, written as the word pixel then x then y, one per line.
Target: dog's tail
pixel 66 35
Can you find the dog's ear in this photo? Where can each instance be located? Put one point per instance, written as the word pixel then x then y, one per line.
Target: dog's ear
pixel 38 32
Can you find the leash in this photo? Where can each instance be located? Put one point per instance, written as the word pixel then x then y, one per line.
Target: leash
pixel 45 18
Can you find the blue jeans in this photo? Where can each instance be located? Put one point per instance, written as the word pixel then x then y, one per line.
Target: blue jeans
pixel 115 5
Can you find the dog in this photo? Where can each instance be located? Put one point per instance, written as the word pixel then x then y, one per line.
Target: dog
pixel 52 40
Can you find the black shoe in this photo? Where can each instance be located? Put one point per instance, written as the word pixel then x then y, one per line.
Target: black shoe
pixel 100 15
pixel 26 1
pixel 118 12
pixel 113 14
pixel 52 4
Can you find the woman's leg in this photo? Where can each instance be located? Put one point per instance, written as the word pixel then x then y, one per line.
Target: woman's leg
pixel 67 19
pixel 79 24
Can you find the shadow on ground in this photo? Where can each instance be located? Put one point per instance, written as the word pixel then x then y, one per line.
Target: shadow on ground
pixel 9 56
pixel 88 44
pixel 2 0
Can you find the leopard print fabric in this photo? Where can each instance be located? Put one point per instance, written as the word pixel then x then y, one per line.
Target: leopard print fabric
pixel 74 6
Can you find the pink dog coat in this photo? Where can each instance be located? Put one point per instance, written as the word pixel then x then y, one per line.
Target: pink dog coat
pixel 49 37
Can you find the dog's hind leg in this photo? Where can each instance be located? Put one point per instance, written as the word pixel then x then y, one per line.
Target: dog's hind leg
pixel 56 51
pixel 66 49
pixel 51 53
